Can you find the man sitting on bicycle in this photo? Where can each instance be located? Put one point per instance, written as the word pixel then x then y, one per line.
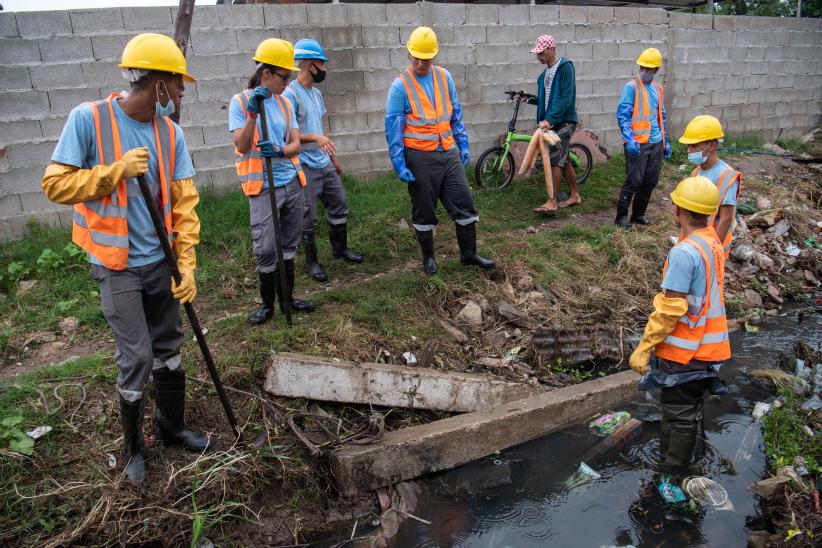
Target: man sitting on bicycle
pixel 556 109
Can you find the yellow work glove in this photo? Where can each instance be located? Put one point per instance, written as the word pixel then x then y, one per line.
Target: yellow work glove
pixel 186 228
pixel 71 185
pixel 661 322
pixel 187 264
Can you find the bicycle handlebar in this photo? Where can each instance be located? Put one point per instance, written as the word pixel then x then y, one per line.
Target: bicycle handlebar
pixel 513 94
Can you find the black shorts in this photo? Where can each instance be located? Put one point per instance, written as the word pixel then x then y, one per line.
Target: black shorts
pixel 559 153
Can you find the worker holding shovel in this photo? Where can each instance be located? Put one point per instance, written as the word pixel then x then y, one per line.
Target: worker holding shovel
pixel 275 63
pixel 428 146
pixel 104 147
pixel 688 330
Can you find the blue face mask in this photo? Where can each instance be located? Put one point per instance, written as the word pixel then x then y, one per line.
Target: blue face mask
pixel 646 77
pixel 160 110
pixel 697 158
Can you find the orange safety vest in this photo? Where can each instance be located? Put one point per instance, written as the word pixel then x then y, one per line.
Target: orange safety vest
pixel 641 123
pixel 250 165
pixel 100 226
pixel 702 332
pixel 427 126
pixel 723 184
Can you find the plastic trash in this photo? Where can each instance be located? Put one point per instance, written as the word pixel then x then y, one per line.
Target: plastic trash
pixel 802 371
pixel 705 491
pixel 760 410
pixel 39 432
pixel 606 424
pixel 793 250
pixel 583 475
pixel 669 490
pixel 410 358
pixel 800 465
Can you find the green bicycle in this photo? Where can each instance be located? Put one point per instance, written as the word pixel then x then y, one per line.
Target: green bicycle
pixel 495 168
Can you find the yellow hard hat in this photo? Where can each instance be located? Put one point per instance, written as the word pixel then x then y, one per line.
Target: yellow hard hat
pixel 151 51
pixel 697 194
pixel 650 58
pixel 276 52
pixel 422 43
pixel 702 128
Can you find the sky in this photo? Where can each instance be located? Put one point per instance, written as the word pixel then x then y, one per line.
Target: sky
pixel 44 5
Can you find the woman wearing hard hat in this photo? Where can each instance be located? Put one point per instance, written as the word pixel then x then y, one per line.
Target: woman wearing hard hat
pixel 428 146
pixel 642 120
pixel 275 63
pixel 703 135
pixel 688 330
pixel 104 147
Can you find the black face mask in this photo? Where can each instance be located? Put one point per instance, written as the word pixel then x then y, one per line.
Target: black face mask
pixel 319 77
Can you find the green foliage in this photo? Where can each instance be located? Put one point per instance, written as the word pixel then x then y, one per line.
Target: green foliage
pixel 786 437
pixel 769 8
pixel 49 260
pixel 13 438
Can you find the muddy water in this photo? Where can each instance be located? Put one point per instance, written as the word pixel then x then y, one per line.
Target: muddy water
pixel 519 498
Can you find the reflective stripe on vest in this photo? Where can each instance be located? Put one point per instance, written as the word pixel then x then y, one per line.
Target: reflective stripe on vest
pixel 641 122
pixel 100 226
pixel 428 126
pixel 702 332
pixel 249 166
pixel 723 184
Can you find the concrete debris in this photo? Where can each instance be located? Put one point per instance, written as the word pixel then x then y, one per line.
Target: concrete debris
pixel 575 346
pixel 444 444
pixel 781 228
pixel 751 299
pixel 763 261
pixel 511 312
pixel 492 363
pixel 743 253
pixel 763 203
pixel 454 333
pixel 497 339
pixel 410 358
pixel 295 376
pixel 470 315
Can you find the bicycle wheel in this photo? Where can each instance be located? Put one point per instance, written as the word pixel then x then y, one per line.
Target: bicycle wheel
pixel 495 171
pixel 580 157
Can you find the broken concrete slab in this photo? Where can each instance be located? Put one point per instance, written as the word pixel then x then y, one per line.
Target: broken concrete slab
pixel 325 379
pixel 445 444
pixel 582 345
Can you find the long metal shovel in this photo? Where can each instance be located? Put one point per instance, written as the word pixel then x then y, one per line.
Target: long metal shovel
pixel 285 298
pixel 160 229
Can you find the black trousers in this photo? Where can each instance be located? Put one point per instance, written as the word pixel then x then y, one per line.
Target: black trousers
pixel 642 172
pixel 682 421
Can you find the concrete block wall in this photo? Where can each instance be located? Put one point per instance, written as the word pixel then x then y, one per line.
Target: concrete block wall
pixel 757 74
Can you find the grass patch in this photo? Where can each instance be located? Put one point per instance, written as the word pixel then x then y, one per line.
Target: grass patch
pixel 786 437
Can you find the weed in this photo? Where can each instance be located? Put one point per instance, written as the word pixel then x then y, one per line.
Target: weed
pixel 13 438
pixel 786 437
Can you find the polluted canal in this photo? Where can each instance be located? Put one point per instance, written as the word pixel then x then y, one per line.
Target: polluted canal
pixel 540 494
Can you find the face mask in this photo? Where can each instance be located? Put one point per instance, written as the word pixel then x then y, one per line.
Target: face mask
pixel 160 110
pixel 646 77
pixel 319 77
pixel 697 158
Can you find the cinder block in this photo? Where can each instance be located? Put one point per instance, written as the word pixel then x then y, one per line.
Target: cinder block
pixel 327 15
pixel 52 126
pixel 193 136
pixel 19 131
pixel 340 59
pixel 218 90
pixel 630 50
pixel 23 104
pixel 63 100
pixel 31 154
pixel 449 56
pixel 37 24
pixel 208 66
pixel 341 103
pixel 626 15
pixel 372 58
pixel 370 101
pixel 290 15
pixel 210 42
pixel 404 14
pixel 217 134
pixel 723 22
pixel 573 14
pixel 600 14
pixel 482 14
pixel 469 34
pixel 36 202
pixel 66 48
pixel 17 51
pixel 348 123
pixel 342 37
pixel 374 140
pixel 295 34
pixel 345 80
pixel 212 157
pixel 702 21
pixel 544 14
pixel 8 25
pixel 249 39
pixel 10 205
pixel 203 17
pixel 357 162
pixel 96 21
pixel 381 35
pixel 501 34
pixel 15 78
pixel 581 51
pixel 224 178
pixel 367 15
pixel 109 47
pixel 345 142
pixel 514 15
pixel 376 121
pixel 587 33
pixel 492 54
pixel 204 113
pixel 148 18
pixel 240 64
pixel 443 14
pixel 653 16
pixel 240 16
pixel 64 75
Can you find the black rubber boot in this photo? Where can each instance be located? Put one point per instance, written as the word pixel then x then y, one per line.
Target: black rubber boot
pixel 312 265
pixel 134 455
pixel 467 240
pixel 170 397
pixel 296 304
pixel 638 210
pixel 338 235
pixel 268 287
pixel 426 240
pixel 622 209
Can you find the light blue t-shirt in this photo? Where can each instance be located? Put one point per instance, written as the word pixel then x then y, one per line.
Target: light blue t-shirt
pixel 627 97
pixel 282 168
pixel 713 174
pixel 77 147
pixel 686 274
pixel 309 109
pixel 398 102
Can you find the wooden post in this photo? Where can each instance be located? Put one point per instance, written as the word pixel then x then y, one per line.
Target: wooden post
pixel 182 31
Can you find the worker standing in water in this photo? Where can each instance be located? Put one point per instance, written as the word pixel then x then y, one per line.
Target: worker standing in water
pixel 703 135
pixel 687 331
pixel 428 145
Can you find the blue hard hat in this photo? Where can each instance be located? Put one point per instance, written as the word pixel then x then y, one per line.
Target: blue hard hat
pixel 308 48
